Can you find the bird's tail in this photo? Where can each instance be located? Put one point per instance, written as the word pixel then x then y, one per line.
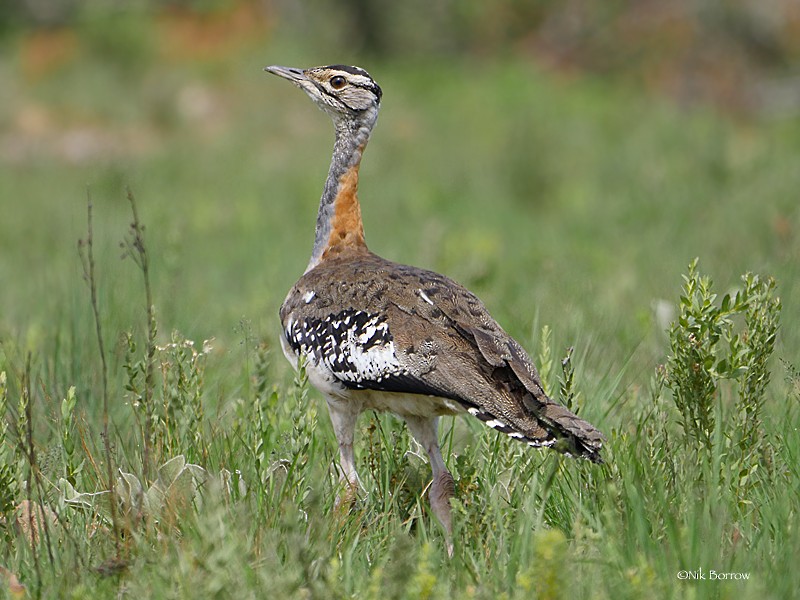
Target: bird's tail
pixel 548 426
pixel 573 434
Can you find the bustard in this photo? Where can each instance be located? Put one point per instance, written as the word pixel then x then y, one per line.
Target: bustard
pixel 375 334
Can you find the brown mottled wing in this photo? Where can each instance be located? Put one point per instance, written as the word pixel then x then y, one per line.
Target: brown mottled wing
pixel 448 345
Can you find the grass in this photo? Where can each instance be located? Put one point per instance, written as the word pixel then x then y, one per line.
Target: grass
pixel 563 203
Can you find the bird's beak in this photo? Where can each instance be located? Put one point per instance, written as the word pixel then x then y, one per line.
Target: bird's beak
pixel 290 73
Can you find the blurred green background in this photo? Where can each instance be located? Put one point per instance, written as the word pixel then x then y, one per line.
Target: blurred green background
pixel 565 160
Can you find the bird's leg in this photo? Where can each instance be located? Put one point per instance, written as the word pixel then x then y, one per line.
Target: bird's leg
pixel 442 488
pixel 344 415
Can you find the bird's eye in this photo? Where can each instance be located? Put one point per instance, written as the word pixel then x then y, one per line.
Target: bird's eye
pixel 338 82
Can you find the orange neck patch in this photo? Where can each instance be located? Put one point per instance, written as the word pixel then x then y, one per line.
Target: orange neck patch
pixel 347 230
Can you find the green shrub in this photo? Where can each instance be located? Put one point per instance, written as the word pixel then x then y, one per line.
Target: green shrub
pixel 715 342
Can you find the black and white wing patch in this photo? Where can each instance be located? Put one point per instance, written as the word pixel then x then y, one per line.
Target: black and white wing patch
pixel 356 347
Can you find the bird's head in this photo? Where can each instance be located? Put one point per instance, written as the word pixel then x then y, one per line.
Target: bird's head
pixel 346 93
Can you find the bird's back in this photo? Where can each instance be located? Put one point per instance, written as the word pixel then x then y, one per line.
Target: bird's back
pixel 366 325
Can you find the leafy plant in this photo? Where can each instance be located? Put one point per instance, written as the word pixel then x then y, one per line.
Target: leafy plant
pixel 72 465
pixel 8 479
pixel 545 358
pixel 265 403
pixel 566 381
pixel 182 379
pixel 708 348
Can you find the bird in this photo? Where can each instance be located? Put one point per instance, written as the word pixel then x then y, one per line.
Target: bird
pixel 376 334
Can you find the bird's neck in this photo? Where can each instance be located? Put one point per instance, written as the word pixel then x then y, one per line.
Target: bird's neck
pixel 339 226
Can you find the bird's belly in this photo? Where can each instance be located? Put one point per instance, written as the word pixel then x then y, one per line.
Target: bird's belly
pixel 406 405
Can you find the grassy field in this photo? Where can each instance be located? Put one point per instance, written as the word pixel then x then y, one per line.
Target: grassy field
pixel 571 207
